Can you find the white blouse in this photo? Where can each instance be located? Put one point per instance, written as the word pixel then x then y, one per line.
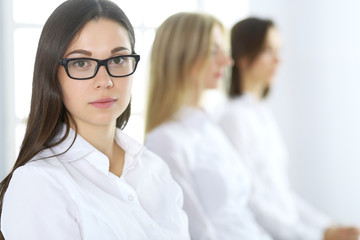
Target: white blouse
pixel 215 185
pixel 252 129
pixel 74 196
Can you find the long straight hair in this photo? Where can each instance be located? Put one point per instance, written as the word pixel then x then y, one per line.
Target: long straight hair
pixel 48 113
pixel 247 41
pixel 182 43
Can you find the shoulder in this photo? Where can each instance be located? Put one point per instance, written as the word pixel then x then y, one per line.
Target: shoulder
pixel 236 111
pixel 186 124
pixel 168 135
pixel 34 184
pixel 237 106
pixel 34 194
pixel 172 142
pixel 168 128
pixel 30 173
pixel 46 172
pixel 36 176
pixel 153 160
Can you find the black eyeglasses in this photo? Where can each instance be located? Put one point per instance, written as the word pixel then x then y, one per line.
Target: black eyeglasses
pixel 86 68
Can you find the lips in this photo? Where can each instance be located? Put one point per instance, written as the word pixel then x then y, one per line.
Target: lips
pixel 103 103
pixel 219 75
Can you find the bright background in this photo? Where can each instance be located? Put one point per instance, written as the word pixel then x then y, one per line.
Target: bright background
pixel 314 99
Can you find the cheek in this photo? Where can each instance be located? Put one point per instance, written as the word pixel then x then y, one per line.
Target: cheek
pixel 124 88
pixel 209 70
pixel 61 76
pixel 127 86
pixel 70 98
pixel 260 66
pixel 267 62
pixel 71 89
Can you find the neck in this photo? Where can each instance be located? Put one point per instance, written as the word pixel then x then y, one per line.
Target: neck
pixel 101 137
pixel 253 86
pixel 193 98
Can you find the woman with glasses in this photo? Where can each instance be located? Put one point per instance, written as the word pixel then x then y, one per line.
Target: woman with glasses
pixel 252 129
pixel 187 58
pixel 77 175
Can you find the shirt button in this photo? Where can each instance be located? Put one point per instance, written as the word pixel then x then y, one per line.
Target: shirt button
pixel 153 225
pixel 131 197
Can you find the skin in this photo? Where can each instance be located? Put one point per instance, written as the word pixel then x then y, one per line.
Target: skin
pixel 342 233
pixel 219 60
pixel 211 74
pixel 260 73
pixel 96 103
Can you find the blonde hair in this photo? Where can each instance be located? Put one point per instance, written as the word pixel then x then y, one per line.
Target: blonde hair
pixel 182 43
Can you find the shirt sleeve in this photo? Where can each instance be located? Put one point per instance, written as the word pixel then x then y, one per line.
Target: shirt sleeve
pixel 200 226
pixel 313 217
pixel 36 207
pixel 283 227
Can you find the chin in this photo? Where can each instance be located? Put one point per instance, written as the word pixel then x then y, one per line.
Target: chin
pixel 214 84
pixel 270 81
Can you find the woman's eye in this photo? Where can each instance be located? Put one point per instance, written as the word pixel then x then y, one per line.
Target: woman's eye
pixel 80 63
pixel 118 60
pixel 269 50
pixel 214 50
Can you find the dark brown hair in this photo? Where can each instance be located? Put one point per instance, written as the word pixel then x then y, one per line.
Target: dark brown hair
pixel 247 41
pixel 48 113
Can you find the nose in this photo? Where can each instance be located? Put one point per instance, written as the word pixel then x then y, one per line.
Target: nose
pixel 103 79
pixel 225 60
pixel 276 58
pixel 229 61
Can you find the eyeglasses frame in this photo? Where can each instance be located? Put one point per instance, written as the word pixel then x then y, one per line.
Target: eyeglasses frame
pixel 64 62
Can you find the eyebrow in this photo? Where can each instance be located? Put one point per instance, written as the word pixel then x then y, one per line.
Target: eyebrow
pixel 215 44
pixel 88 53
pixel 118 49
pixel 79 51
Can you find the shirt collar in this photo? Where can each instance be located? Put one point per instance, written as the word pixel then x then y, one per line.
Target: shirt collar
pixel 191 115
pixel 81 149
pixel 249 97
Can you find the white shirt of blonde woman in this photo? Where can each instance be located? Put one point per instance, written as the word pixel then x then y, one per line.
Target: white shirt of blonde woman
pixel 215 185
pixel 74 196
pixel 250 126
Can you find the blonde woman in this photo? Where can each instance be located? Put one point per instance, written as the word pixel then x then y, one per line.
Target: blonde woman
pixel 187 58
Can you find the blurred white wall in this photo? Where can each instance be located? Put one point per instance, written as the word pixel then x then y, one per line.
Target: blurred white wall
pixel 316 97
pixel 2 98
pixel 6 83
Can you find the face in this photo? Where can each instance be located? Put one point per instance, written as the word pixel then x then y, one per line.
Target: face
pixel 219 60
pixel 101 99
pixel 265 64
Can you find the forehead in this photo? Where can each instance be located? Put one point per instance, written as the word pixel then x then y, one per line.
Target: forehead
pixel 217 34
pixel 101 34
pixel 273 37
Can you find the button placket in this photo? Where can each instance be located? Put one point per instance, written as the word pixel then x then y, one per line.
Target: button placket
pixel 153 225
pixel 131 197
